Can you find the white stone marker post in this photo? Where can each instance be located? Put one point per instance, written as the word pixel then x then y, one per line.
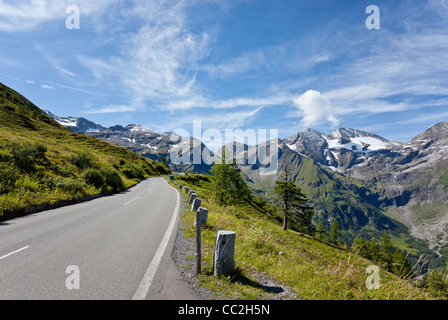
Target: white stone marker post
pixel 224 255
pixel 192 197
pixel 203 215
pixel 196 204
pixel 201 220
pixel 198 242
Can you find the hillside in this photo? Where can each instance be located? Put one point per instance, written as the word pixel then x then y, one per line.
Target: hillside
pixel 43 164
pixel 294 265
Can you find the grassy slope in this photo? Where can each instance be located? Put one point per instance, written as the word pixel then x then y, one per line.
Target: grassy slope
pixel 55 177
pixel 312 269
pixel 338 197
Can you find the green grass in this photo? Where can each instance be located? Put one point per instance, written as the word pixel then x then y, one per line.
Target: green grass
pixel 43 163
pixel 444 180
pixel 311 269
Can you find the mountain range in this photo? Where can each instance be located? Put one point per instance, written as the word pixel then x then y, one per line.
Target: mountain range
pixel 367 183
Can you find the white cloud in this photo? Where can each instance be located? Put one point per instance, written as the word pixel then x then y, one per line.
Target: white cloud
pixel 46 86
pixel 315 108
pixel 26 15
pixel 320 58
pixel 112 109
pixel 157 62
pixel 202 102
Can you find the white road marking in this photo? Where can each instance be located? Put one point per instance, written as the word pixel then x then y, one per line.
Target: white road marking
pixel 146 282
pixel 131 201
pixel 10 254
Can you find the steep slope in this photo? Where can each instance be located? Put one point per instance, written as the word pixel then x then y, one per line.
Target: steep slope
pixel 333 195
pixel 404 181
pixel 43 164
pixel 270 260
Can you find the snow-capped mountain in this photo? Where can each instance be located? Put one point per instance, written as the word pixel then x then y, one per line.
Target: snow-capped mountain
pixel 78 125
pixel 156 145
pixel 340 150
pixel 147 142
pixel 350 175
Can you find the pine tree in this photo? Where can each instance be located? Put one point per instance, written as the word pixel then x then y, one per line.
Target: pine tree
pixel 320 231
pixel 401 266
pixel 335 232
pixel 386 251
pixel 294 206
pixel 435 281
pixel 373 250
pixel 228 184
pixel 360 246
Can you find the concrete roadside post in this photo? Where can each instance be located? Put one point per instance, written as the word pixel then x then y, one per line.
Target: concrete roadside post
pixel 198 242
pixel 196 204
pixel 201 220
pixel 203 216
pixel 224 254
pixel 193 196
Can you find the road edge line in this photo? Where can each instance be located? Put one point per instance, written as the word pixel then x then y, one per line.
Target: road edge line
pixel 146 282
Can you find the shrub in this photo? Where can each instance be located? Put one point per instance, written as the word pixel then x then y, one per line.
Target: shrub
pixel 27 183
pixel 112 178
pixel 70 185
pixel 8 178
pixel 5 155
pixel 25 154
pixel 94 177
pixel 83 160
pixel 133 172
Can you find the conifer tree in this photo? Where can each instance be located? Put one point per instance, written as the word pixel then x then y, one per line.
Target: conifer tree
pixel 386 251
pixel 294 206
pixel 360 246
pixel 320 231
pixel 335 232
pixel 374 251
pixel 228 184
pixel 401 266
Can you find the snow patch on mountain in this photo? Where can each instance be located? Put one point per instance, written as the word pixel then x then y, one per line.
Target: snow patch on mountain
pixel 358 144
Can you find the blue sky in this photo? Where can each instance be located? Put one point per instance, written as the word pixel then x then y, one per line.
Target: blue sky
pixel 258 64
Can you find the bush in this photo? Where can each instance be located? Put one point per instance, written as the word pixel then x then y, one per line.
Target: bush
pixel 94 177
pixel 25 154
pixel 8 178
pixel 70 185
pixel 83 160
pixel 133 172
pixel 112 178
pixel 27 183
pixel 5 155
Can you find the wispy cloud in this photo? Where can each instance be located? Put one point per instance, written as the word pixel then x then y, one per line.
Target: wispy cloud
pixel 112 109
pixel 46 86
pixel 157 62
pixel 26 15
pixel 54 62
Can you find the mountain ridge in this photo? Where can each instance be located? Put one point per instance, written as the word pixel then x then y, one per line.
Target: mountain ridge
pixel 359 178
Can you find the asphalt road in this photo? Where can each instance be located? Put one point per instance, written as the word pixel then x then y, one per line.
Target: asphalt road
pixel 116 247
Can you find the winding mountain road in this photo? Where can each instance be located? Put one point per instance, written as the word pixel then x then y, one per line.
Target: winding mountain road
pixel 116 247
